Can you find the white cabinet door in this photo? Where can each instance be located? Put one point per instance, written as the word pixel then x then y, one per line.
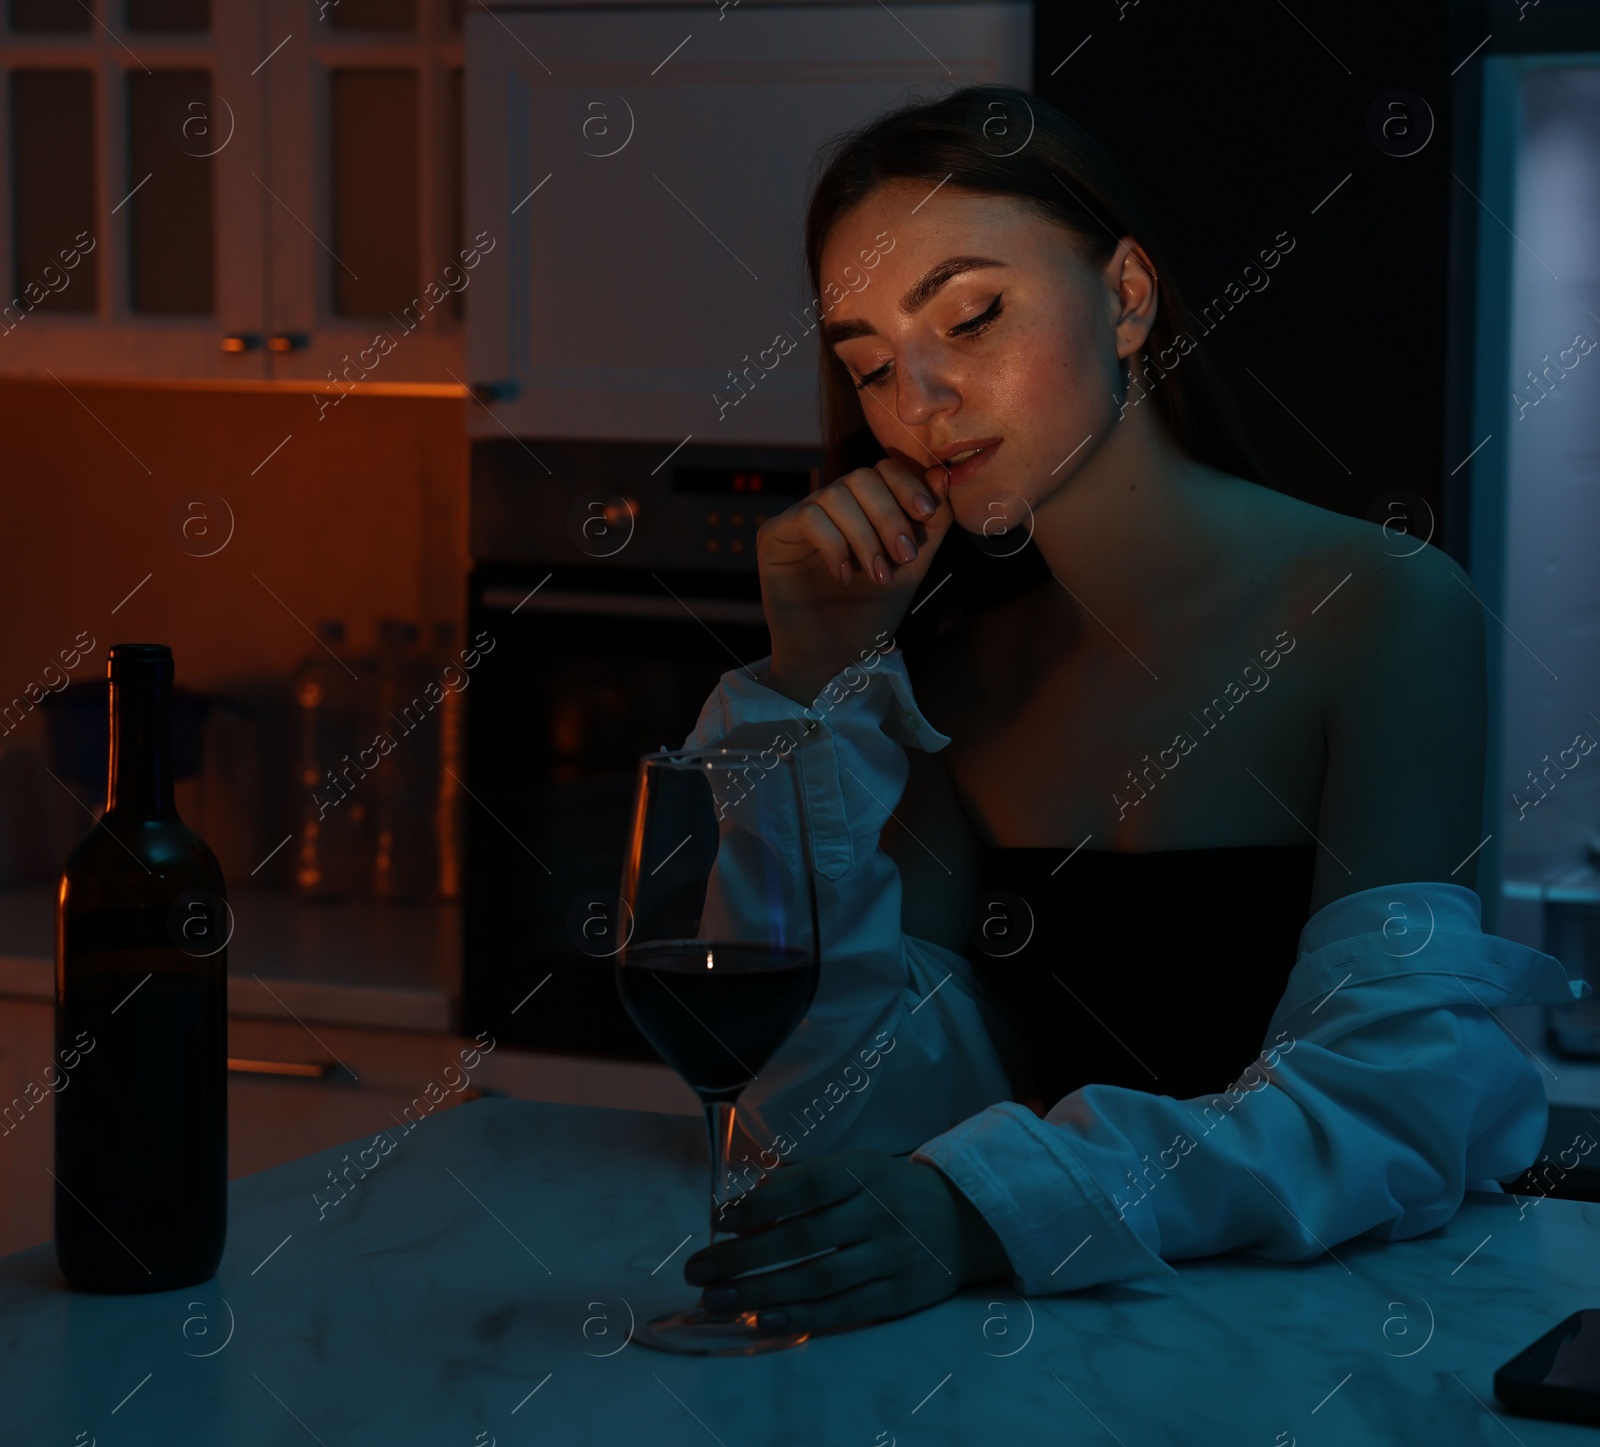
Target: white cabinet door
pixel 361 221
pixel 203 169
pixel 143 143
pixel 642 176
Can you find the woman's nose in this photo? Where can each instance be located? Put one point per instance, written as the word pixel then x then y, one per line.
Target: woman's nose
pixel 923 391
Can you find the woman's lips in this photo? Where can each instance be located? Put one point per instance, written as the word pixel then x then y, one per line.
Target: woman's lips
pixel 961 472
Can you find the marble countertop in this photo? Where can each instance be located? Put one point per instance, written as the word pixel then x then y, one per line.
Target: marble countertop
pixel 476 1287
pixel 352 962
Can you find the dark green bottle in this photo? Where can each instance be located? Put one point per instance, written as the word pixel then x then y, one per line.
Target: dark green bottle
pixel 142 924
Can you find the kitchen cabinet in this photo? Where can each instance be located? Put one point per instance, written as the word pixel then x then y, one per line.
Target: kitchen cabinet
pixel 249 190
pixel 365 135
pixel 644 176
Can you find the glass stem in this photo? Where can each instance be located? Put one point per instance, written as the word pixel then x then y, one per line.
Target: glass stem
pixel 719 1127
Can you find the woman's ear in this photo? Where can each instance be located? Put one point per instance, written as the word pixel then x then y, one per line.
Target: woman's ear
pixel 1132 279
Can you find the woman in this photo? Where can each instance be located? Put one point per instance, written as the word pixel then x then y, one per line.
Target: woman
pixel 1213 724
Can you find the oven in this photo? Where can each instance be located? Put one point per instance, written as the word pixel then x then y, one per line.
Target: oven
pixel 614 584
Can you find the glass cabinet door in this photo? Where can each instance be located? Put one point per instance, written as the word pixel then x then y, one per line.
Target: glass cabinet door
pixel 366 175
pixel 132 242
pixel 244 189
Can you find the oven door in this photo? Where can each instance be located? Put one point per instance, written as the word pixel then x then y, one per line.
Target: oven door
pixel 588 669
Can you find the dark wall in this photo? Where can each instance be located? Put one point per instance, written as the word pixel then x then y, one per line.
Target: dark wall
pixel 1237 122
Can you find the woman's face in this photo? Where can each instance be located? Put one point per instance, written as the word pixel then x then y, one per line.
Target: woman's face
pixel 984 328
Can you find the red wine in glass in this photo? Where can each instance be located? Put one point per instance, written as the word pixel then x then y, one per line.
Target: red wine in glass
pixel 716 1010
pixel 718 955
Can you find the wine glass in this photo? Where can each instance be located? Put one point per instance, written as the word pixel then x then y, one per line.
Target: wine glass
pixel 718 956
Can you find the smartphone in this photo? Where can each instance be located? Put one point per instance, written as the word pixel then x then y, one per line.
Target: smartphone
pixel 1559 1375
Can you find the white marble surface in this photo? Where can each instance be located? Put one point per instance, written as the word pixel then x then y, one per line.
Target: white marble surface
pixel 499 1249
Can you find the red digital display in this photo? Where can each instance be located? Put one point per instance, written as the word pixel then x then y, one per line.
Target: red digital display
pixel 768 482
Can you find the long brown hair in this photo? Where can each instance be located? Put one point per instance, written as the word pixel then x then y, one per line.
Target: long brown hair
pixel 962 140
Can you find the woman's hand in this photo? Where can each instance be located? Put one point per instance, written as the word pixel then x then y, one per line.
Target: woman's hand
pixel 838 569
pixel 903 1238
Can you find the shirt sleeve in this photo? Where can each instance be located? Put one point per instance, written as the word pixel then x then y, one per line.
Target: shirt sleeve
pixel 894 1047
pixel 1385 1089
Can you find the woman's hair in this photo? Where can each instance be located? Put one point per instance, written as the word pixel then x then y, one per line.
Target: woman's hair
pixel 966 140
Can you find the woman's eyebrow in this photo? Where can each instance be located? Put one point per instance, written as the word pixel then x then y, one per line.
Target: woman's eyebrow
pixel 920 294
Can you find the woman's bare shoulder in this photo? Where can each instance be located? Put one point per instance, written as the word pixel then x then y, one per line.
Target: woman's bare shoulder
pixel 1396 631
pixel 1360 574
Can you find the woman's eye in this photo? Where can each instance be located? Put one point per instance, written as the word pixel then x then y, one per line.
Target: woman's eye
pixel 978 323
pixel 969 328
pixel 871 379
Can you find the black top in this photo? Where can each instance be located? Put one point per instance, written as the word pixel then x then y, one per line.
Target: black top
pixel 1156 971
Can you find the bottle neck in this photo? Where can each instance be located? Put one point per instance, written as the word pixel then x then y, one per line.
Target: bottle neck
pixel 140 780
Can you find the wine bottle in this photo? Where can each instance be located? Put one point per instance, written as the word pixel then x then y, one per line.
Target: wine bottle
pixel 142 925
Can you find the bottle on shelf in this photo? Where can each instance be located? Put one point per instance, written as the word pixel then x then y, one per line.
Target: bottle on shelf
pixel 449 800
pixel 333 839
pixel 406 741
pixel 142 928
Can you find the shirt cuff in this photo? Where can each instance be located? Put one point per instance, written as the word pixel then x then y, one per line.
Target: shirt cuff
pixel 878 686
pixel 856 729
pixel 1427 936
pixel 984 1155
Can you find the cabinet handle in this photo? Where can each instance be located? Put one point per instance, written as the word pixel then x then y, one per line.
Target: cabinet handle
pixel 240 342
pixel 288 342
pixel 304 1069
pixel 490 392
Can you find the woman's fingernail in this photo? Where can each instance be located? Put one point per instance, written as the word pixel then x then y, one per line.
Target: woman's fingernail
pixel 880 569
pixel 698 1271
pixel 771 1320
pixel 904 548
pixel 719 1298
pixel 844 572
pixel 923 505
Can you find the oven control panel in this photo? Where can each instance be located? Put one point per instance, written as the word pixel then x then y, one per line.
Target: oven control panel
pixel 738 499
pixel 631 505
pixel 731 529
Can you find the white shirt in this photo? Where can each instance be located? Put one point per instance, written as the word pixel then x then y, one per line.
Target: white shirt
pixel 1384 1089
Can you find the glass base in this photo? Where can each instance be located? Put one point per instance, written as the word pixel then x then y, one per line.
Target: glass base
pixel 695 1332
